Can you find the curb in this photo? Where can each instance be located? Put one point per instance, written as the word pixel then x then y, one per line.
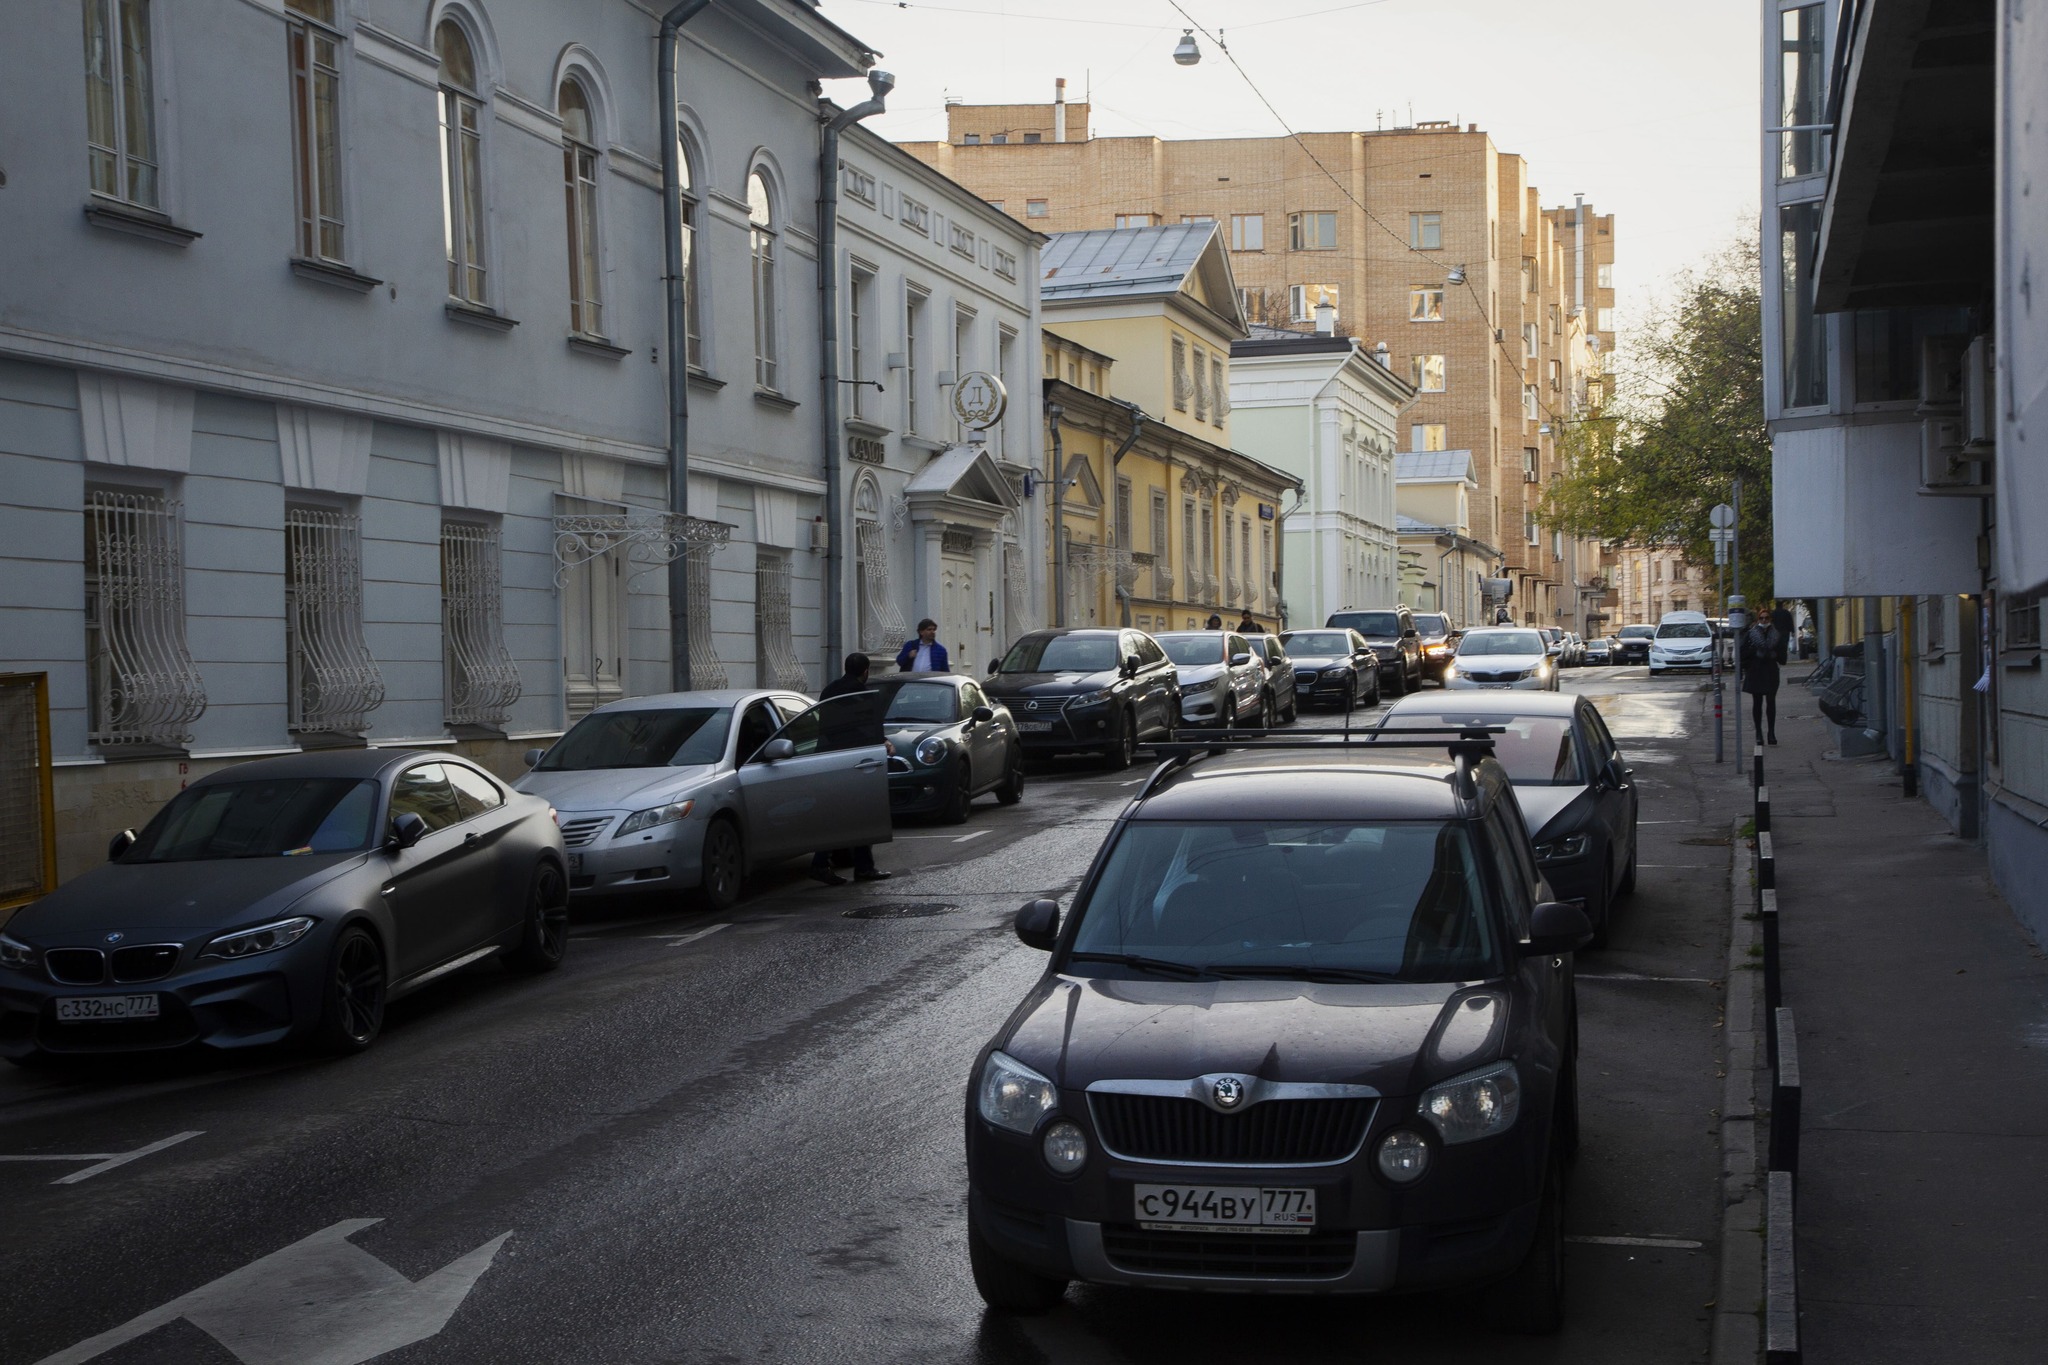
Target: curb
pixel 1737 1329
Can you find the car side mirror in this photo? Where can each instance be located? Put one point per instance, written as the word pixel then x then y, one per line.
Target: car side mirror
pixel 1616 773
pixel 1038 924
pixel 406 830
pixel 995 666
pixel 1240 660
pixel 534 756
pixel 1558 927
pixel 120 844
pixel 983 715
pixel 775 750
pixel 1133 665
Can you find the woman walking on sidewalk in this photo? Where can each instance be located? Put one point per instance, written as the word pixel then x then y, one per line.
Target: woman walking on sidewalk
pixel 1763 650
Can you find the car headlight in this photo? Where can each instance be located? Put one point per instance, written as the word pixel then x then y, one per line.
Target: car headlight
pixel 1012 1095
pixel 1558 850
pixel 1475 1106
pixel 1336 672
pixel 1094 698
pixel 931 751
pixel 264 938
pixel 1436 650
pixel 1403 1156
pixel 1065 1147
pixel 654 816
pixel 15 953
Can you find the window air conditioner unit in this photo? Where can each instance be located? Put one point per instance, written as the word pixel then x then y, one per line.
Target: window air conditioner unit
pixel 1528 476
pixel 1980 398
pixel 1941 372
pixel 1945 469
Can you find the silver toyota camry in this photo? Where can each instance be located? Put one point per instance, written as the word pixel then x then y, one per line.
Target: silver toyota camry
pixel 693 790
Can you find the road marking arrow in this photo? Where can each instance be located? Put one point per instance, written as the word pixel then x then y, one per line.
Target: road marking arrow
pixel 107 1161
pixel 321 1301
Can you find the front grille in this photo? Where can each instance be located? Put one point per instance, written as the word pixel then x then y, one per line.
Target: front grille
pixel 577 833
pixel 1515 676
pixel 76 966
pixel 1241 1255
pixel 1305 677
pixel 145 962
pixel 1275 1132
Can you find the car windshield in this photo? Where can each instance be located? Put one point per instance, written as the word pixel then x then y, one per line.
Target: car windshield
pixel 1192 649
pixel 1402 900
pixel 1537 751
pixel 1372 622
pixel 1685 630
pixel 1637 632
pixel 1061 654
pixel 669 737
pixel 283 817
pixel 1314 642
pixel 1500 642
pixel 1433 625
pixel 919 702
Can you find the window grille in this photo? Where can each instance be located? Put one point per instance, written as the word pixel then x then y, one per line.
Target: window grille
pixel 881 625
pixel 315 53
pixel 333 681
pixel 706 669
pixel 775 637
pixel 145 689
pixel 480 680
pixel 120 100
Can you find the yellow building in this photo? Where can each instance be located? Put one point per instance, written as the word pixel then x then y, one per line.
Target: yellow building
pixel 1155 521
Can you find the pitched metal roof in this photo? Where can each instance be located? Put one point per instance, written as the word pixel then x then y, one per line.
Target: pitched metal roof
pixel 1433 464
pixel 1121 262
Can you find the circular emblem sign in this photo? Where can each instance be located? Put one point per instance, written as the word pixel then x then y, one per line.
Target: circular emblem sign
pixel 979 399
pixel 1228 1091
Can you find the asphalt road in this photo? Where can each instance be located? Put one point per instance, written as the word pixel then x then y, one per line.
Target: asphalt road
pixel 739 1138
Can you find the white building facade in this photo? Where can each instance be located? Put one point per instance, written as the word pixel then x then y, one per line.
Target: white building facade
pixel 1323 409
pixel 332 386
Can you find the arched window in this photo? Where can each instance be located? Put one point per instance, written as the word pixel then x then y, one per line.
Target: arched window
pixel 462 163
pixel 761 231
pixel 579 190
pixel 120 101
pixel 693 293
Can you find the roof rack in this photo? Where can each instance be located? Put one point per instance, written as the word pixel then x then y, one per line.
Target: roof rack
pixel 1466 744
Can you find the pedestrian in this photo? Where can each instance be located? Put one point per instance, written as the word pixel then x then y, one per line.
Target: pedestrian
pixel 924 654
pixel 855 679
pixel 1247 626
pixel 1215 621
pixel 1763 650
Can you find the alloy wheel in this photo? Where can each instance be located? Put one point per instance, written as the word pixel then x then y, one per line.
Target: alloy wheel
pixel 359 989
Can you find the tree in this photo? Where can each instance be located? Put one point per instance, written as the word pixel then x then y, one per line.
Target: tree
pixel 1685 418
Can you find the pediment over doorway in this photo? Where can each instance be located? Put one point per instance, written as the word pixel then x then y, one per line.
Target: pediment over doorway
pixel 963 483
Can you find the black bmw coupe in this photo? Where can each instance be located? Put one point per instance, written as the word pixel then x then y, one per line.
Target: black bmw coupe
pixel 285 900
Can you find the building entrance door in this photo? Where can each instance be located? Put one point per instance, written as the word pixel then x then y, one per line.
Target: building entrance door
pixel 960 625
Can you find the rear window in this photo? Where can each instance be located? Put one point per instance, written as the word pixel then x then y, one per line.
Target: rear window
pixel 1256 898
pixel 1537 751
pixel 1369 622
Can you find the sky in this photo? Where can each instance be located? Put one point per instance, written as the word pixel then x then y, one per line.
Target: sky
pixel 1647 107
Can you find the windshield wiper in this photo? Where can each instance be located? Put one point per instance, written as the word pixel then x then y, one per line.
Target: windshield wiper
pixel 1294 972
pixel 1160 965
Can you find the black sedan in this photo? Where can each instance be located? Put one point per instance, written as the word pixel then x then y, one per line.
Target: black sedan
pixel 285 901
pixel 951 745
pixel 1094 691
pixel 1576 791
pixel 1308 1028
pixel 1333 667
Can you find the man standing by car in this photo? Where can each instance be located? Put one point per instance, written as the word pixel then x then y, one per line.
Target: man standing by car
pixel 1247 626
pixel 924 654
pixel 1215 621
pixel 855 679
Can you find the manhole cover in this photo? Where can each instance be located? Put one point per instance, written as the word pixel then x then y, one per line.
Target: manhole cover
pixel 900 910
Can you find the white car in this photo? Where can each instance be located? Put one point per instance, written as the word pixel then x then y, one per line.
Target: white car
pixel 1684 639
pixel 1503 657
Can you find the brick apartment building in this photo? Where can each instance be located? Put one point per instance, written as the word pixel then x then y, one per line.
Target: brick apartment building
pixel 1379 224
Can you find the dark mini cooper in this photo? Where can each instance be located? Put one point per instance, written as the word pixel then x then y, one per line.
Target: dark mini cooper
pixel 285 900
pixel 951 745
pixel 1308 1028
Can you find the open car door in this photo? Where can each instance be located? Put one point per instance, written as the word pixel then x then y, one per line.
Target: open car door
pixel 820 782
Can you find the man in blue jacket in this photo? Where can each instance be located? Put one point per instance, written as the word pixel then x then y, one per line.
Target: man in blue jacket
pixel 924 654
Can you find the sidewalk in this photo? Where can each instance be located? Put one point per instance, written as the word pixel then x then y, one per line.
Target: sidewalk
pixel 1921 1010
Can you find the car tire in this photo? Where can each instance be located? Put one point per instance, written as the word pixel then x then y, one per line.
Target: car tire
pixel 722 867
pixel 352 996
pixel 1122 745
pixel 1600 905
pixel 1567 1103
pixel 1012 790
pixel 1399 687
pixel 544 937
pixel 1530 1301
pixel 1628 874
pixel 1293 712
pixel 1003 1284
pixel 1269 714
pixel 1376 697
pixel 960 801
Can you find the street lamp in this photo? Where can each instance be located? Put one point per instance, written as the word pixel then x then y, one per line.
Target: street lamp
pixel 1456 275
pixel 1186 52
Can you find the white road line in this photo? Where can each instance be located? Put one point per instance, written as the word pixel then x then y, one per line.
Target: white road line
pixel 1631 976
pixel 1664 1243
pixel 965 837
pixel 105 1161
pixel 678 940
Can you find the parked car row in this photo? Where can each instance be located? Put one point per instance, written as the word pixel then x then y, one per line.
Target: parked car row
pixel 1309 1024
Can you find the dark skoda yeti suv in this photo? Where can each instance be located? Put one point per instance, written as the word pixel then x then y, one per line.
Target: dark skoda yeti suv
pixel 1309 1027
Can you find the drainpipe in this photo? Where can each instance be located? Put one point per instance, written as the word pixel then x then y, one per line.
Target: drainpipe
pixel 1123 594
pixel 881 83
pixel 678 338
pixel 1056 482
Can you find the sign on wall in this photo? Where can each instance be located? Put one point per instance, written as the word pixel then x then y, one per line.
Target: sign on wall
pixel 979 399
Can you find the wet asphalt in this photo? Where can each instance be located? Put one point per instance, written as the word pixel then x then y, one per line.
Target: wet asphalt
pixel 738 1138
